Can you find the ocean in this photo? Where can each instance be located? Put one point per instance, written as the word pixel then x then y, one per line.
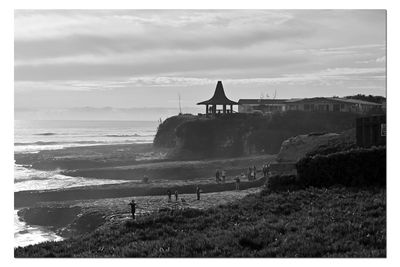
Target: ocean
pixel 35 136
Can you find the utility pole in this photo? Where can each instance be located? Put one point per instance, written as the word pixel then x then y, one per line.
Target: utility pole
pixel 180 108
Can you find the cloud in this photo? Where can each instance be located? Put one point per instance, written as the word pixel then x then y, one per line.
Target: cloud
pixel 114 51
pixel 320 77
pixel 162 63
pixel 381 59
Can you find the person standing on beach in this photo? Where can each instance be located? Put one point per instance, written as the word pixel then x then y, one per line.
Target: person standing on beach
pixel 268 168
pixel 133 208
pixel 176 195
pixel 254 172
pixel 249 174
pixel 264 170
pixel 223 176
pixel 237 183
pixel 217 176
pixel 198 190
pixel 169 195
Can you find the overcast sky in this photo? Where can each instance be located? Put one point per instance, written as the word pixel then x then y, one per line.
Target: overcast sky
pixel 144 58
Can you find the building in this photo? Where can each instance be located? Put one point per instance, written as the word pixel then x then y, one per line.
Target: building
pixel 261 105
pixel 324 104
pixel 219 103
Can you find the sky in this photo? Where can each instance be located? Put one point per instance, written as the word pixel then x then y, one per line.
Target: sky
pixel 127 59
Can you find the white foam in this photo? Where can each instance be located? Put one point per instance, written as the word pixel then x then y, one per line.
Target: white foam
pixel 31 179
pixel 25 234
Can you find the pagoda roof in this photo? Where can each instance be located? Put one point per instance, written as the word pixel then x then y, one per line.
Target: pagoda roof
pixel 219 97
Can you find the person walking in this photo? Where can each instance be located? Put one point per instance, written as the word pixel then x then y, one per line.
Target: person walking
pixel 176 195
pixel 198 190
pixel 133 208
pixel 169 195
pixel 237 183
pixel 223 176
pixel 217 176
pixel 264 170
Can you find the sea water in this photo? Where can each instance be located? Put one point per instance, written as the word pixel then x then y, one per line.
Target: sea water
pixel 35 136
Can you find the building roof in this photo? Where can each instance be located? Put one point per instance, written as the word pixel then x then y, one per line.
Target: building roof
pixel 262 101
pixel 356 101
pixel 334 99
pixel 219 97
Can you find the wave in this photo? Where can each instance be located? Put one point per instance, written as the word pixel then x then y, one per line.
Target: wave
pixel 129 135
pixel 42 143
pixel 32 179
pixel 45 134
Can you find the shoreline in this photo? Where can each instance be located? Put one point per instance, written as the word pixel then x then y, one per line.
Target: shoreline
pixel 32 198
pixel 85 208
pixel 163 174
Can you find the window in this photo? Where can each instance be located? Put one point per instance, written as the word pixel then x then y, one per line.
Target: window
pixel 336 107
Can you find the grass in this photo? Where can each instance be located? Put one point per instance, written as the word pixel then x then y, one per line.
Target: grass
pixel 335 222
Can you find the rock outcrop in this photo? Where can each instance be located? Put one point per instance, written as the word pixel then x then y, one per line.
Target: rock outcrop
pixel 297 147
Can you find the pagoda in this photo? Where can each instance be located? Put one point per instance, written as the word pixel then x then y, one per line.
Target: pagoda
pixel 219 99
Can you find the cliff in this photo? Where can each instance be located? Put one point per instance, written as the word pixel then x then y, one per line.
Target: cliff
pixel 243 134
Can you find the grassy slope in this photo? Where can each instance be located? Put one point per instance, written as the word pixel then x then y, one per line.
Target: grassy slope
pixel 336 222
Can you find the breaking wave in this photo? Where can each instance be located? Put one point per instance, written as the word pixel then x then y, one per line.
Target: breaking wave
pixel 45 134
pixel 42 143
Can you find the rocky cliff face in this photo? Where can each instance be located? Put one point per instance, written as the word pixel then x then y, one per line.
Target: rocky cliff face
pixel 244 134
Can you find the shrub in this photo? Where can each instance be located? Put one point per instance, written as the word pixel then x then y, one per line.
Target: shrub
pixel 357 167
pixel 283 182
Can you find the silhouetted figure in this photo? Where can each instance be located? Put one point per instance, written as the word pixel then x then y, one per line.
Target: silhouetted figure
pixel 133 208
pixel 249 174
pixel 264 170
pixel 254 172
pixel 268 168
pixel 169 193
pixel 237 182
pixel 217 176
pixel 176 195
pixel 198 190
pixel 223 176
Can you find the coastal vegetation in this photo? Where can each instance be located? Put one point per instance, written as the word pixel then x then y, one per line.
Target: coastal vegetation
pixel 312 222
pixel 355 167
